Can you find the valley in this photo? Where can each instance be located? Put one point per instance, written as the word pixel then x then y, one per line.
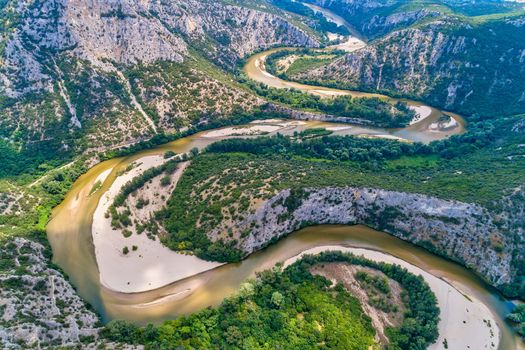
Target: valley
pixel 262 174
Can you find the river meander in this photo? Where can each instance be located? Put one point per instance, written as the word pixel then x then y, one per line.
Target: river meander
pixel 70 234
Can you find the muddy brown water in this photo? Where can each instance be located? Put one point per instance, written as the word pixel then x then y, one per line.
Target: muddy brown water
pixel 419 131
pixel 69 233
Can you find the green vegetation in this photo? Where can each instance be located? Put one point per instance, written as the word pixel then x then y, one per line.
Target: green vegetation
pixel 37 201
pixel 319 23
pixel 492 81
pixel 96 186
pixel 305 64
pixel 29 161
pixel 359 16
pixel 378 291
pixel 121 219
pixel 311 133
pixel 293 309
pixel 517 316
pixel 307 59
pixel 373 111
pixel 221 184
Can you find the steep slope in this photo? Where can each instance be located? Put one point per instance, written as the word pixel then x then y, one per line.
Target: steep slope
pixel 376 18
pixel 373 18
pixel 67 68
pixel 469 67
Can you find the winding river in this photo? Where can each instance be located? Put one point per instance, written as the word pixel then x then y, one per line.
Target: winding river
pixel 70 235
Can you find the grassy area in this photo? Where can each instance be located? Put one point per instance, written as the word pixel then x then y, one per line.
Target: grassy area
pixel 304 64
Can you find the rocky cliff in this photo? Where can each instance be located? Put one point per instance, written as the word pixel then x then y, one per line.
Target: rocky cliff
pixel 464 232
pixel 374 18
pixel 66 78
pixel 470 68
pixel 38 306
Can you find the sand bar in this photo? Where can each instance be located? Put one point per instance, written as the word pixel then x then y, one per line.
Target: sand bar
pixel 152 265
pixel 236 131
pixel 422 112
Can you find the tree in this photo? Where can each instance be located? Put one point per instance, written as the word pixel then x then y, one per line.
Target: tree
pixel 277 299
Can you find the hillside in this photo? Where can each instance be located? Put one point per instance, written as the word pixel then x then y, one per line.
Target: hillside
pixel 74 74
pixel 156 192
pixel 471 65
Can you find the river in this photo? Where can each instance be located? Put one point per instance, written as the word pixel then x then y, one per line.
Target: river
pixel 69 233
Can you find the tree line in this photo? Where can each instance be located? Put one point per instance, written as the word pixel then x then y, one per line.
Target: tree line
pixel 293 309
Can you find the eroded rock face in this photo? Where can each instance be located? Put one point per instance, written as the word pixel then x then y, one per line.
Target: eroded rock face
pixel 129 32
pixel 374 18
pixel 38 306
pixel 473 70
pixel 231 31
pixel 117 72
pixel 463 232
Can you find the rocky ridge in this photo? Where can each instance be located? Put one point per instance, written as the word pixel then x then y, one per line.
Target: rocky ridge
pixel 65 77
pixel 473 69
pixel 374 18
pixel 455 229
pixel 38 306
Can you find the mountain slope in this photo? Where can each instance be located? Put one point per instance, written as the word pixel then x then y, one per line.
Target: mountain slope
pixel 67 67
pixel 469 67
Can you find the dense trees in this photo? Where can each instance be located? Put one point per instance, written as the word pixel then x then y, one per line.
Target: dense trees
pixel 292 309
pixel 517 316
pixel 330 147
pixel 480 135
pixel 272 164
pixel 373 111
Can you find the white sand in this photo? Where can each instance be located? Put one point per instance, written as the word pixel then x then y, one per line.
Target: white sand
pixel 103 175
pixel 323 92
pixel 334 36
pixel 280 122
pixel 152 265
pixel 267 121
pixel 350 45
pixel 462 320
pixel 338 128
pixel 384 136
pixel 234 131
pixel 422 112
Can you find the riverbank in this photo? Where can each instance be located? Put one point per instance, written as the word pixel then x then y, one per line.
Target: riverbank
pixel 466 323
pixel 255 128
pixel 148 264
pixel 152 265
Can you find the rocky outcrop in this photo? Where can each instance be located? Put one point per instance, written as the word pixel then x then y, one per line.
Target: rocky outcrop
pixel 448 63
pixel 374 18
pixel 464 232
pixel 38 306
pixel 232 31
pixel 129 32
pixel 65 67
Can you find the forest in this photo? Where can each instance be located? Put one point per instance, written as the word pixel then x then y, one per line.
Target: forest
pixel 293 309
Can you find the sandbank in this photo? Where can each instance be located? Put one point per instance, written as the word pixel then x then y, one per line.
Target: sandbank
pixel 152 265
